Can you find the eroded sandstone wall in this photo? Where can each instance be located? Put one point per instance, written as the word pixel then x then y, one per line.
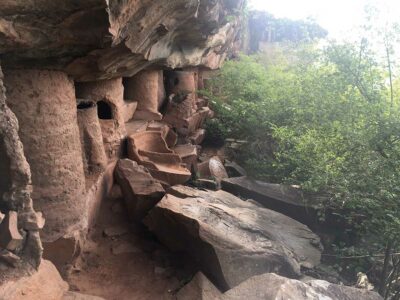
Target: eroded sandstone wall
pixel 97 39
pixel 16 198
pixel 109 94
pixel 44 103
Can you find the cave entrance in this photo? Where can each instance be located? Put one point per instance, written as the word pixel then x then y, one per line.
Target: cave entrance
pixel 104 110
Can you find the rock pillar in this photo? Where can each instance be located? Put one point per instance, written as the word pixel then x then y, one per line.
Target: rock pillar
pixel 94 156
pixel 147 88
pixel 109 97
pixel 45 105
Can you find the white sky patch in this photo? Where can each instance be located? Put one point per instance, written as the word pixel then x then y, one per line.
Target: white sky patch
pixel 339 17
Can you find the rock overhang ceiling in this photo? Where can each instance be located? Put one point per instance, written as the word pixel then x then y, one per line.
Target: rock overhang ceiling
pixel 97 39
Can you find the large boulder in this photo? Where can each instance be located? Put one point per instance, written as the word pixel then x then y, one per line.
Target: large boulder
pixel 140 190
pixel 230 239
pixel 46 283
pixel 199 288
pixel 273 287
pixel 287 200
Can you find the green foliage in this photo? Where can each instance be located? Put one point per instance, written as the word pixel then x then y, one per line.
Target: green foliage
pixel 321 119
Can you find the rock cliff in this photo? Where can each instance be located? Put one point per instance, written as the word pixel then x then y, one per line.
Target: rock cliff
pixel 97 39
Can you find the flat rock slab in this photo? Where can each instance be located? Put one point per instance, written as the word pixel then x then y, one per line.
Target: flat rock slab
pixel 140 190
pixel 273 287
pixel 230 239
pixel 284 199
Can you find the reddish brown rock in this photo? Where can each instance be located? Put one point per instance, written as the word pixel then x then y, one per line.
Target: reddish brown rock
pixel 93 152
pixel 188 154
pixel 10 238
pixel 96 39
pixel 197 137
pixel 32 221
pixel 129 110
pixel 149 149
pixel 46 283
pixel 141 191
pixel 45 105
pixel 63 251
pixel 9 258
pixel 109 97
pixel 147 89
pixel 181 82
pixel 179 110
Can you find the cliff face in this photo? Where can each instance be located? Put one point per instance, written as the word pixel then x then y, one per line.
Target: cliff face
pixel 69 102
pixel 97 39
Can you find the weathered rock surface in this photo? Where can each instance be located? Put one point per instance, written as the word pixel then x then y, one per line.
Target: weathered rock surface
pixel 10 258
pixel 78 296
pixel 230 239
pixel 46 283
pixel 234 170
pixel 188 154
pixel 45 104
pixel 98 39
pixel 284 199
pixel 199 288
pixel 93 152
pixel 213 168
pixel 147 89
pixel 10 238
pixel 273 287
pixel 15 183
pixel 141 191
pixel 149 149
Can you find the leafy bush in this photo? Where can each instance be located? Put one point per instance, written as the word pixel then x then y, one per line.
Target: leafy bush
pixel 323 121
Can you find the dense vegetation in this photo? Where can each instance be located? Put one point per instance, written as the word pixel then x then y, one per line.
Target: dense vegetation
pixel 329 121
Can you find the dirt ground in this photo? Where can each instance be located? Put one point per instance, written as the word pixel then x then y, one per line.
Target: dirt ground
pixel 144 269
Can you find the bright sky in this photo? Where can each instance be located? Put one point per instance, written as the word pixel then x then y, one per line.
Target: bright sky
pixel 337 16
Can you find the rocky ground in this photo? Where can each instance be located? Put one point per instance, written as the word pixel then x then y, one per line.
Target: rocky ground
pixel 122 260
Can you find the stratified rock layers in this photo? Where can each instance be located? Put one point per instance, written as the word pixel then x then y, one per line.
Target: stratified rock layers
pixel 96 39
pixel 44 103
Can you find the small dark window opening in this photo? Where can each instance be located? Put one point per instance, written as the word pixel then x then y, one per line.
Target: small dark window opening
pixel 86 105
pixel 104 111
